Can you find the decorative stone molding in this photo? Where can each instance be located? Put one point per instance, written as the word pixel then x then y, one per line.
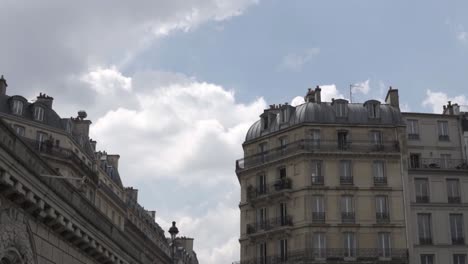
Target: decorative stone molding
pixel 17 242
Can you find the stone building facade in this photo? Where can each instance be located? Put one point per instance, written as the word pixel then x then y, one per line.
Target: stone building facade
pixel 62 200
pixel 323 182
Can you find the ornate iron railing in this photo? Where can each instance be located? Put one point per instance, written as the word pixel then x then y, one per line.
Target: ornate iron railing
pixel 439 164
pixel 346 180
pixel 318 217
pixel 269 224
pixel 348 217
pixel 316 146
pixel 382 217
pixel 425 240
pixel 317 180
pixel 264 190
pixel 379 181
pixel 422 199
pixel 458 240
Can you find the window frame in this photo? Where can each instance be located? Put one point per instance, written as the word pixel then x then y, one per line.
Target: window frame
pixel 17 107
pixel 39 113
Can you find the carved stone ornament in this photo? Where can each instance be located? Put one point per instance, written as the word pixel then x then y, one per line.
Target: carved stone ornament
pixel 16 242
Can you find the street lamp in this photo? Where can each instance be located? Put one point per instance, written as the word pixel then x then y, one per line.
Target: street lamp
pixel 173 231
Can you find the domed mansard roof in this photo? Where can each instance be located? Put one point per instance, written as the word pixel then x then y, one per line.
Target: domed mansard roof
pixel 325 113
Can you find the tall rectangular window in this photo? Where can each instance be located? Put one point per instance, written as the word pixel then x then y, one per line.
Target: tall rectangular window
pixel 412 128
pixel 283 214
pixel 376 138
pixel 283 249
pixel 17 107
pixel 349 244
pixel 422 190
pixel 283 144
pixel 318 209
pixel 442 128
pixel 346 176
pixel 384 245
pixel 19 130
pixel 414 161
pixel 38 113
pixel 262 253
pixel 319 245
pixel 262 218
pixel 427 259
pixel 41 137
pixel 453 190
pixel 343 140
pixel 424 229
pixel 261 184
pixel 315 138
pixel 347 209
pixel 381 208
pixel 316 172
pixel 459 259
pixel 263 151
pixel 456 229
pixel 378 170
pixel 445 161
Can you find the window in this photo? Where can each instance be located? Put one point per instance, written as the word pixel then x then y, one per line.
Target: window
pixel 282 173
pixel 349 244
pixel 265 122
pixel 378 170
pixel 261 218
pixel 427 259
pixel 261 184
pixel 17 107
pixel 453 191
pixel 414 161
pixel 343 140
pixel 283 143
pixel 341 108
pixel 315 138
pixel 456 229
pixel 421 190
pixel 346 176
pixel 413 129
pixel 424 229
pixel 445 160
pixel 319 245
pixel 443 130
pixel 262 253
pixel 262 150
pixel 284 115
pixel 38 113
pixel 283 211
pixel 283 249
pixel 41 140
pixel 459 259
pixel 347 209
pixel 373 110
pixel 384 245
pixel 376 140
pixel 19 130
pixel 318 209
pixel 316 172
pixel 381 208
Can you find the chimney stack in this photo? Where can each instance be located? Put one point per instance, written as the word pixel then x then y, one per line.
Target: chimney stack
pixel 318 98
pixel 80 125
pixel 45 99
pixel 113 160
pixel 392 97
pixel 3 86
pixel 310 96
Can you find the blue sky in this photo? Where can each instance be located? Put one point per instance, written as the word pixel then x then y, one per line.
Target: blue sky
pixel 173 85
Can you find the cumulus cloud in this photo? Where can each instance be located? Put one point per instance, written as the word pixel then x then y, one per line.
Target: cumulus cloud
pixel 329 92
pixel 361 87
pixel 296 61
pixel 106 81
pixel 436 101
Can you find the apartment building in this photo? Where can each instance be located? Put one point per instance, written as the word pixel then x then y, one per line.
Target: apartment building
pixel 323 182
pixel 437 178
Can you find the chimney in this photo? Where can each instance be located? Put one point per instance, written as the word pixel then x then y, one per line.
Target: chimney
pixel 132 194
pixel 451 109
pixel 113 160
pixel 310 96
pixel 152 214
pixel 392 97
pixel 93 144
pixel 187 243
pixel 45 99
pixel 80 125
pixel 318 98
pixel 3 86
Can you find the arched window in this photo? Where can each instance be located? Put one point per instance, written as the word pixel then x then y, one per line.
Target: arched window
pixel 38 113
pixel 17 107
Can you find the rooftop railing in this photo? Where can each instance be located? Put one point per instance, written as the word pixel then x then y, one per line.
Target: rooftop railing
pixel 316 146
pixel 439 164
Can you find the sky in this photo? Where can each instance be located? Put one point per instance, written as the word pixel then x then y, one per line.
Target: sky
pixel 173 85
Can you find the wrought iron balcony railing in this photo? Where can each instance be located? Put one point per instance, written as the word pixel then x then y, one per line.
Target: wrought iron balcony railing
pixel 425 240
pixel 265 190
pixel 444 138
pixel 413 136
pixel 422 199
pixel 348 217
pixel 346 180
pixel 454 199
pixel 316 146
pixel 379 181
pixel 335 255
pixel 439 164
pixel 318 217
pixel 269 224
pixel 382 217
pixel 458 240
pixel 317 180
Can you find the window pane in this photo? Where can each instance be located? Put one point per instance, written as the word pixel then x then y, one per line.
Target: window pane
pixel 378 168
pixel 453 189
pixel 424 228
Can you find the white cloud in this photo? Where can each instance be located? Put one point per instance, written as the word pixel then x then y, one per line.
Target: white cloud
pixel 361 87
pixel 295 61
pixel 436 100
pixel 298 100
pixel 106 81
pixel 462 36
pixel 329 92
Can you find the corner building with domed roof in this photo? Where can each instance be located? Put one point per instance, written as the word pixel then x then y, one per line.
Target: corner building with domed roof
pixel 322 182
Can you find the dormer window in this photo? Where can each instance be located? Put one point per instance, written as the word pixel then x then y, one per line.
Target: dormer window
pixel 17 107
pixel 341 108
pixel 373 108
pixel 38 113
pixel 265 122
pixel 284 115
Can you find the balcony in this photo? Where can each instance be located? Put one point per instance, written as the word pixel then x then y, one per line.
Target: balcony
pixel 316 146
pixel 422 199
pixel 318 217
pixel 425 240
pixel 439 164
pixel 444 138
pixel 413 136
pixel 380 181
pixel 382 217
pixel 458 240
pixel 317 180
pixel 254 193
pixel 335 255
pixel 269 224
pixel 346 180
pixel 454 199
pixel 348 217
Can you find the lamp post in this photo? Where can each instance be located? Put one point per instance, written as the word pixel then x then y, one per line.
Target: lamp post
pixel 173 231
